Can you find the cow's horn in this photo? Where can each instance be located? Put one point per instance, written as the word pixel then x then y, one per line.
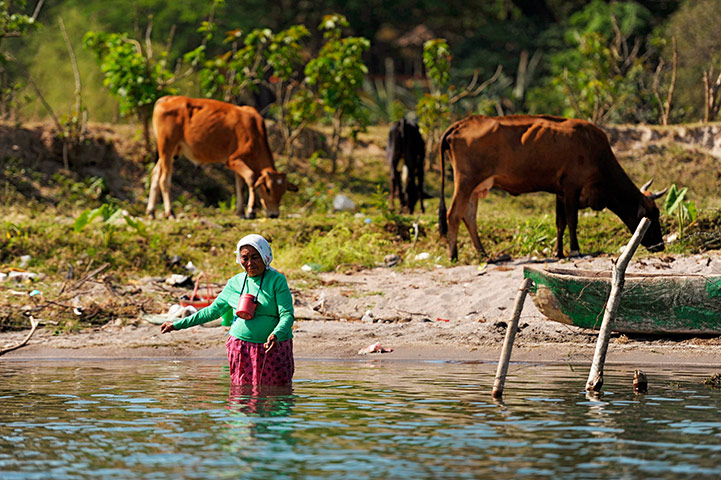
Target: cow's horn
pixel 646 185
pixel 655 195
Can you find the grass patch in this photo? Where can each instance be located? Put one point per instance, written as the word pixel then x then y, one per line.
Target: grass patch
pixel 41 204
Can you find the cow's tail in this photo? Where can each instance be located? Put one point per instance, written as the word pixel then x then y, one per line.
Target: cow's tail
pixel 442 220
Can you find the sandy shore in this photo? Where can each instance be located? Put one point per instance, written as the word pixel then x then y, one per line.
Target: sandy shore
pixel 452 314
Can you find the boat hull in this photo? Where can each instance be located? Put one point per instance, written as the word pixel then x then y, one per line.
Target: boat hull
pixel 650 303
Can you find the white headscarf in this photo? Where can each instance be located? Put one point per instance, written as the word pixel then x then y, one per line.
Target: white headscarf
pixel 259 243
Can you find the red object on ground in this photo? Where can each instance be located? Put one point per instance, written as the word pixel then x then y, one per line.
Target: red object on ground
pixel 198 300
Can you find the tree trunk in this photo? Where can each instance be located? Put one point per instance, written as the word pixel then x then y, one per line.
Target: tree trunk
pixel 335 140
pixel 145 119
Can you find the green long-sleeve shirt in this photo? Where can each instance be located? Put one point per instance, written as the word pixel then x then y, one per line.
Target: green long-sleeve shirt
pixel 273 314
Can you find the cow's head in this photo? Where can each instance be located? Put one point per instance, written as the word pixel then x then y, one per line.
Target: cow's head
pixel 653 240
pixel 270 187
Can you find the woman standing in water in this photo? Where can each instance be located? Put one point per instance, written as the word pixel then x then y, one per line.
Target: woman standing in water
pixel 260 348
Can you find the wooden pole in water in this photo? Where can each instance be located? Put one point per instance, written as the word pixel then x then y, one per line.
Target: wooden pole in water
pixel 508 342
pixel 595 376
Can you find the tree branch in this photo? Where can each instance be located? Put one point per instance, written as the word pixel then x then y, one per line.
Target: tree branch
pixel 469 89
pixel 34 326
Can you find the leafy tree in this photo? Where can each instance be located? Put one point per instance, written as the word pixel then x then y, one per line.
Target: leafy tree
pixel 601 77
pixel 13 24
pixel 337 77
pixel 434 108
pixel 131 74
pixel 294 101
pixel 259 59
pixel 696 27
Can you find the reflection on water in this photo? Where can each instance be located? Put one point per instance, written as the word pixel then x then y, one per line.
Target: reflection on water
pixel 166 419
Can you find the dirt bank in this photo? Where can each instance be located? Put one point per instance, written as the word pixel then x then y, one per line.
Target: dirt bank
pixel 457 313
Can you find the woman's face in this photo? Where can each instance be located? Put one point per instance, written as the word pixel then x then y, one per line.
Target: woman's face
pixel 251 261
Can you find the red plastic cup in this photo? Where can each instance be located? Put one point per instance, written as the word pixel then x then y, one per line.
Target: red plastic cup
pixel 246 306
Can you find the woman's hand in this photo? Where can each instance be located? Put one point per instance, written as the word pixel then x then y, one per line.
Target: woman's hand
pixel 270 343
pixel 167 327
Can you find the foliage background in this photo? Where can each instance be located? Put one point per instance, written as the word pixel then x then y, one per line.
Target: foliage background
pixel 481 35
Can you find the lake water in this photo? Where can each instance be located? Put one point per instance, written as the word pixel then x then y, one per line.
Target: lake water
pixel 377 419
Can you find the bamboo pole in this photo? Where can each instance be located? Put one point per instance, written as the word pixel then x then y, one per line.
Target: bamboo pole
pixel 508 342
pixel 595 376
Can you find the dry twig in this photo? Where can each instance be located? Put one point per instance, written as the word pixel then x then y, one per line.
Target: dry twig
pixel 34 323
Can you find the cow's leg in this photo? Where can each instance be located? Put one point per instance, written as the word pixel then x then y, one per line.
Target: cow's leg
pixel 395 188
pixel 239 194
pixel 571 206
pixel 160 179
pixel 250 209
pixel 153 195
pixel 471 224
pixel 165 176
pixel 402 185
pixel 238 165
pixel 408 189
pixel 560 226
pixel 394 179
pixel 456 211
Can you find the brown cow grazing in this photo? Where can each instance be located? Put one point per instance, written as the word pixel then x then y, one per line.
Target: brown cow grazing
pixel 210 131
pixel 520 154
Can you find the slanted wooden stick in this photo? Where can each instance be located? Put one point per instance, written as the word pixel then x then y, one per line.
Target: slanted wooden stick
pixel 508 342
pixel 595 376
pixel 34 324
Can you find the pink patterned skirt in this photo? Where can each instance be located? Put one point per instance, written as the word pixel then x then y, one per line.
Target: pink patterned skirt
pixel 250 365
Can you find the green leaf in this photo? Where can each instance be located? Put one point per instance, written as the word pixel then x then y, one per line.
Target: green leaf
pixel 82 220
pixel 676 201
pixel 692 212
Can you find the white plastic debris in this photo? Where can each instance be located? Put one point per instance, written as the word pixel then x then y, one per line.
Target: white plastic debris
pixel 177 311
pixel 191 268
pixel 374 348
pixel 22 276
pixel 423 256
pixel 341 203
pixel 24 260
pixel 176 279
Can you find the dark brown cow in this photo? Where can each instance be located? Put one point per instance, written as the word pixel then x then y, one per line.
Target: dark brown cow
pixel 407 150
pixel 520 154
pixel 209 131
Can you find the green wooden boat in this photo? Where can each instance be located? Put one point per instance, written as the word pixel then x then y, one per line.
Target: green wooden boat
pixel 650 303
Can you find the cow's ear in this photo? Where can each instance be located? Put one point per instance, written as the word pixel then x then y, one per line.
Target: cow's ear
pixel 642 212
pixel 292 187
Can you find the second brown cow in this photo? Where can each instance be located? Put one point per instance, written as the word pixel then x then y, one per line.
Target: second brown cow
pixel 520 154
pixel 210 131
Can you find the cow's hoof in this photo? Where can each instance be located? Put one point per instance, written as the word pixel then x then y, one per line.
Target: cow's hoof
pixel 249 216
pixel 559 255
pixel 574 253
